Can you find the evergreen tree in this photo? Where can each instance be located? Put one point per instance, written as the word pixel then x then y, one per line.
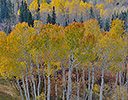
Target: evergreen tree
pixel 2 9
pixel 49 19
pixel 66 23
pixel 74 20
pixel 53 21
pixel 25 14
pixel 91 14
pixel 100 22
pixel 81 20
pixel 38 14
pixel 107 25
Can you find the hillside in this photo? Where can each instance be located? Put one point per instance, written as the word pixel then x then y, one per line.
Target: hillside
pixel 7 92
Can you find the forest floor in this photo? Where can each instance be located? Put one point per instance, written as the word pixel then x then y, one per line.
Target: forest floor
pixel 7 92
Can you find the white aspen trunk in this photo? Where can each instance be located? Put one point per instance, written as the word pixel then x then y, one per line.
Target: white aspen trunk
pixel 83 84
pixel 69 84
pixel 32 78
pixel 77 83
pixel 120 74
pixel 44 82
pixel 123 93
pixel 26 80
pixel 116 86
pixel 44 85
pixel 69 79
pixel 64 83
pixel 102 82
pixel 56 85
pixel 30 81
pixel 89 82
pixel 48 93
pixel 39 79
pixel 21 94
pixel 24 86
pixel 92 80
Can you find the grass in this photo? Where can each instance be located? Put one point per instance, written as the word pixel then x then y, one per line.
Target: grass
pixel 7 92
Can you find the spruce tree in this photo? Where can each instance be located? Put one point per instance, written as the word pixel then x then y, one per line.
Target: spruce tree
pixel 91 14
pixel 49 19
pixel 107 25
pixel 81 20
pixel 25 14
pixel 100 22
pixel 66 23
pixel 74 20
pixel 53 21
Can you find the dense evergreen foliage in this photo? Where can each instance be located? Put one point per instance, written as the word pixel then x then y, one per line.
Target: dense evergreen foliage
pixel 25 14
pixel 6 10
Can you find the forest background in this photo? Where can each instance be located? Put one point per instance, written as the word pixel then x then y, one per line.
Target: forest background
pixel 65 49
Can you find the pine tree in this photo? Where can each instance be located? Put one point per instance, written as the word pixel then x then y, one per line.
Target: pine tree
pixel 81 20
pixel 74 20
pixel 49 19
pixel 66 23
pixel 25 14
pixel 100 22
pixel 53 21
pixel 91 14
pixel 107 26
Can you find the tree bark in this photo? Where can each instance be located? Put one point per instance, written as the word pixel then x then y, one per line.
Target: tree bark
pixel 116 86
pixel 32 78
pixel 102 82
pixel 48 93
pixel 56 85
pixel 39 79
pixel 64 83
pixel 77 83
pixel 24 86
pixel 89 82
pixel 44 81
pixel 83 84
pixel 69 80
pixel 26 80
pixel 92 80
pixel 21 94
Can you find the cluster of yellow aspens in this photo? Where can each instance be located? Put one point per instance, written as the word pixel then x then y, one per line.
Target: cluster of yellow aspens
pixel 27 50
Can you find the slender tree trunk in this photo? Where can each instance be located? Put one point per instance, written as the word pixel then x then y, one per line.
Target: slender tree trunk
pixel 30 81
pixel 48 93
pixel 21 94
pixel 39 79
pixel 32 78
pixel 102 82
pixel 89 82
pixel 78 86
pixel 83 84
pixel 116 86
pixel 69 80
pixel 123 91
pixel 24 86
pixel 44 81
pixel 44 84
pixel 64 83
pixel 120 74
pixel 56 85
pixel 92 80
pixel 26 80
